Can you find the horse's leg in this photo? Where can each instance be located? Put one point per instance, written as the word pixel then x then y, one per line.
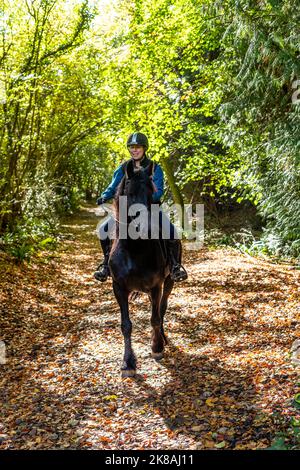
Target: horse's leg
pixel 129 361
pixel 157 338
pixel 168 286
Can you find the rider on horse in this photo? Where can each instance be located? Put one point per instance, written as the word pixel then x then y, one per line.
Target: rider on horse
pixel 137 145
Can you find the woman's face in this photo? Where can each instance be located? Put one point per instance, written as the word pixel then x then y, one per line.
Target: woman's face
pixel 136 151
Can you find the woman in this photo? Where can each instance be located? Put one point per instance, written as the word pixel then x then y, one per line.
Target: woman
pixel 137 145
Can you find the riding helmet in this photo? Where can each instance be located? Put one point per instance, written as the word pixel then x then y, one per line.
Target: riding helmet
pixel 137 138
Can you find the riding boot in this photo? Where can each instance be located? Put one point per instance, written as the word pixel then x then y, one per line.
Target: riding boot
pixel 102 272
pixel 177 271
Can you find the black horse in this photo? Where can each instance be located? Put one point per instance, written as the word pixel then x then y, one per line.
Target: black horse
pixel 139 265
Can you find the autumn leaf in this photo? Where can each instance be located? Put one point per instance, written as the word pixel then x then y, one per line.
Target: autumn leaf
pixel 110 397
pixel 224 376
pixel 210 401
pixel 220 445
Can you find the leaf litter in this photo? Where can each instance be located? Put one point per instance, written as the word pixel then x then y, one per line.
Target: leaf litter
pixel 225 379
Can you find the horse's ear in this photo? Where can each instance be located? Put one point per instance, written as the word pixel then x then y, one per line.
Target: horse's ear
pixel 129 170
pixel 149 169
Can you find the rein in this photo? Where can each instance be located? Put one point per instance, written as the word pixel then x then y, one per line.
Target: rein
pixel 126 178
pixel 117 220
pixel 111 213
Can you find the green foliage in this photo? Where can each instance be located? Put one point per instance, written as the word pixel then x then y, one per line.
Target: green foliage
pixel 28 239
pixel 48 104
pixel 259 120
pixel 289 437
pixel 210 82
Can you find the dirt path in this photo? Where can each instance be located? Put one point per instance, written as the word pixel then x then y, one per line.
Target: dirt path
pixel 226 380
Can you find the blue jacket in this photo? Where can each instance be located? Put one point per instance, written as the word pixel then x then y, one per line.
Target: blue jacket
pixel 158 180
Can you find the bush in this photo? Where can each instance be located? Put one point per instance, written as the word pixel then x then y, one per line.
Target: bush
pixel 27 239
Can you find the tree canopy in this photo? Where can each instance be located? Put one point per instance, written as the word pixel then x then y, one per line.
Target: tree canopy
pixel 214 85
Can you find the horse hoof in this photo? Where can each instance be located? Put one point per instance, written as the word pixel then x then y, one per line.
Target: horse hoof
pixel 128 373
pixel 157 355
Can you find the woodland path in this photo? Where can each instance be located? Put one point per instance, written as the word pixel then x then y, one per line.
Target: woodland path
pixel 226 380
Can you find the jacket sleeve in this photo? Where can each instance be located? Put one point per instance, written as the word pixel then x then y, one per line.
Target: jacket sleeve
pixel 158 180
pixel 110 191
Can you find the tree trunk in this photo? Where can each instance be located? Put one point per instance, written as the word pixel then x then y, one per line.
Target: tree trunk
pixel 176 193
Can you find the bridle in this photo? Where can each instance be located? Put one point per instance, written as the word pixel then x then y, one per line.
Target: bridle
pixel 111 213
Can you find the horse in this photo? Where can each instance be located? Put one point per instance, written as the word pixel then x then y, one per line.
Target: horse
pixel 139 265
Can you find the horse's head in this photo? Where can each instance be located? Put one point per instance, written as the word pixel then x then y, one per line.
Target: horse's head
pixel 137 186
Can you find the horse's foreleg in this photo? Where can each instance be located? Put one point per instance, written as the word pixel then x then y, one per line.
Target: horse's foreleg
pixel 129 361
pixel 168 286
pixel 157 338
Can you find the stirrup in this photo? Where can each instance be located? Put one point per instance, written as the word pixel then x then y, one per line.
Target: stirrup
pixel 102 272
pixel 178 273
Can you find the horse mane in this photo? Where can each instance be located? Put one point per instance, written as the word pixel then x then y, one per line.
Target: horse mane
pixel 119 192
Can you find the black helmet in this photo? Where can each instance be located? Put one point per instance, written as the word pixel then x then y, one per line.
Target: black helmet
pixel 137 138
